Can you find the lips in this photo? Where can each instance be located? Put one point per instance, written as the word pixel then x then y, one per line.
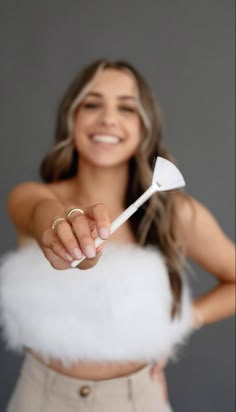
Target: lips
pixel 105 138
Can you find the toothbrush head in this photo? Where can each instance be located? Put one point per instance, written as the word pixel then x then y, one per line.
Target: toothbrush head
pixel 166 175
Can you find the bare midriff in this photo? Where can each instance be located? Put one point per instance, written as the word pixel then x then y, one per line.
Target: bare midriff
pixel 92 370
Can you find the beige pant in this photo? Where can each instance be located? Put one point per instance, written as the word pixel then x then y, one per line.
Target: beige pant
pixel 40 389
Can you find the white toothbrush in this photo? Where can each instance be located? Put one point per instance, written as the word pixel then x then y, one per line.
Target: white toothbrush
pixel 166 176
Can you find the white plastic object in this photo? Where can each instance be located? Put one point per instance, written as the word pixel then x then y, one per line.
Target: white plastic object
pixel 166 176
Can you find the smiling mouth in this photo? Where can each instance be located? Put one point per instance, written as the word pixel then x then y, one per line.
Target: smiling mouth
pixel 107 139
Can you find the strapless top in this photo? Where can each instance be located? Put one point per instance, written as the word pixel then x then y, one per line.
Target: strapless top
pixel 119 310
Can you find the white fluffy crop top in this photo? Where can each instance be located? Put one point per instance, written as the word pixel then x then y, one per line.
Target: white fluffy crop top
pixel 119 310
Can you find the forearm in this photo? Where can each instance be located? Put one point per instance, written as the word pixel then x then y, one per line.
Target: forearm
pixel 32 204
pixel 215 305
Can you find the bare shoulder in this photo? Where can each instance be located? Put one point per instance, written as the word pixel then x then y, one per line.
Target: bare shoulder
pixel 29 187
pixel 184 209
pixel 194 221
pixel 187 209
pixel 53 190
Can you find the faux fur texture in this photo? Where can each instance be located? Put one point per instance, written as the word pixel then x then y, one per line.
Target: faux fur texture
pixel 118 310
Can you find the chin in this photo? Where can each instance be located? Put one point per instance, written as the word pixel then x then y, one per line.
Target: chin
pixel 109 163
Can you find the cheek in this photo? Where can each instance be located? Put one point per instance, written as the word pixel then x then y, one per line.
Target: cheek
pixel 84 119
pixel 81 125
pixel 136 130
pixel 80 121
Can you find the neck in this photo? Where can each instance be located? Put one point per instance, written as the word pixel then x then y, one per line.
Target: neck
pixel 102 185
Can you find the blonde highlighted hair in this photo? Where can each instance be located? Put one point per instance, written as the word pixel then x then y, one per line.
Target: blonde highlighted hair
pixel 154 222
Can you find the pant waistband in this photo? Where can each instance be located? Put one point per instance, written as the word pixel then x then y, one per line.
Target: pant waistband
pixel 70 387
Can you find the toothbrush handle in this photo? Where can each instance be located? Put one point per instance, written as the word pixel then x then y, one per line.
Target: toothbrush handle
pixel 121 219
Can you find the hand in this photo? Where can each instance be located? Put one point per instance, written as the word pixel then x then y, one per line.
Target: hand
pixel 157 373
pixel 197 319
pixel 74 237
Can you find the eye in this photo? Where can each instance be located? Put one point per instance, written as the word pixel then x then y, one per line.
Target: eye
pixel 128 109
pixel 91 105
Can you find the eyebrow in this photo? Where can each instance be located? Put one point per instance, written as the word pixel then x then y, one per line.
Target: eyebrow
pixel 121 97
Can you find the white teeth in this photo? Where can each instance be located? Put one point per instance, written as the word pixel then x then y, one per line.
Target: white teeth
pixel 105 139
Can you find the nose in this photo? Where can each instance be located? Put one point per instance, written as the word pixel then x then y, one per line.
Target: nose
pixel 108 117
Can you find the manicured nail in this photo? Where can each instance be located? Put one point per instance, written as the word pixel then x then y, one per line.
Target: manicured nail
pixel 103 232
pixel 69 257
pixel 77 253
pixel 89 251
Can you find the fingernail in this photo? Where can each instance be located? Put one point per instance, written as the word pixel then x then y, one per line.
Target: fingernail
pixel 89 251
pixel 103 233
pixel 77 253
pixel 68 257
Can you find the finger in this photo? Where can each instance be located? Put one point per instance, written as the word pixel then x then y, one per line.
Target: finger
pixel 94 232
pixel 81 229
pixel 101 217
pixel 68 240
pixel 58 249
pixel 88 263
pixel 55 261
pixel 158 366
pixel 162 381
pixel 52 241
pixel 155 370
pixel 158 375
pixel 163 361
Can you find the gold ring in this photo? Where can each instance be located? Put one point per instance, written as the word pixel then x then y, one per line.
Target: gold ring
pixel 57 220
pixel 76 209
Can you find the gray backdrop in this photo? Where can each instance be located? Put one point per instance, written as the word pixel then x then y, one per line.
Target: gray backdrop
pixel 186 51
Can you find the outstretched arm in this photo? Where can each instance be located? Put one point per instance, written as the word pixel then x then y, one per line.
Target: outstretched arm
pixel 33 207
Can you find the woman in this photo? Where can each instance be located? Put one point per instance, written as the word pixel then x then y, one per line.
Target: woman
pixel 91 336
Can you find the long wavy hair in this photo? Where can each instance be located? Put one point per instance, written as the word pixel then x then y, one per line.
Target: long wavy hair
pixel 154 222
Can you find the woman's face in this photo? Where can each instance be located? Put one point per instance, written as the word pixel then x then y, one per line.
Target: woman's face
pixel 107 125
